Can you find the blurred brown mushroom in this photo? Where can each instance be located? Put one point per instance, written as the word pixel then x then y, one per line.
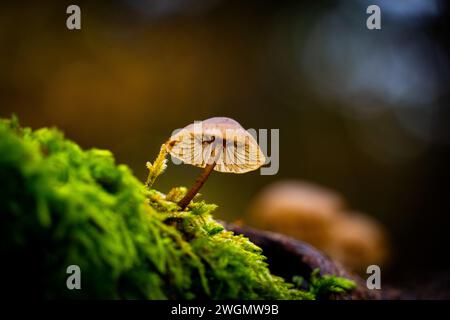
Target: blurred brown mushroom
pixel 298 209
pixel 219 144
pixel 317 215
pixel 358 241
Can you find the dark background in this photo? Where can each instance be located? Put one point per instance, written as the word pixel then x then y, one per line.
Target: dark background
pixel 363 112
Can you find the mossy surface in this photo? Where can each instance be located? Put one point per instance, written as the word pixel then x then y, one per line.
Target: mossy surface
pixel 61 205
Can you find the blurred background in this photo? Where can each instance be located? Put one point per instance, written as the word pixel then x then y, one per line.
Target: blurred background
pixel 364 113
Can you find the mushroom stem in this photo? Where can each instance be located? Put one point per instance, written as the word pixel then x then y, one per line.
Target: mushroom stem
pixel 197 185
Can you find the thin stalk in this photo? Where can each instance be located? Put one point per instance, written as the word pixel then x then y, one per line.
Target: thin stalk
pixel 197 185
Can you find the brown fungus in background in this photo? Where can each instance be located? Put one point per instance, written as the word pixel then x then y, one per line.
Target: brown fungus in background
pixel 318 216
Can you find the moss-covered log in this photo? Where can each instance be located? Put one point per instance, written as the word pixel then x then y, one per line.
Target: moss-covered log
pixel 61 205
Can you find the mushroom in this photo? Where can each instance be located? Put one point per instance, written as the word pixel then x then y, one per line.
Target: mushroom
pixel 298 209
pixel 358 241
pixel 219 144
pixel 320 217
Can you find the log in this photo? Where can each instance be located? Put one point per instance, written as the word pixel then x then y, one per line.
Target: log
pixel 288 257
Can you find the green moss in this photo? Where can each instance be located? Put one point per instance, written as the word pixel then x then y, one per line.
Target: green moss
pixel 61 205
pixel 322 286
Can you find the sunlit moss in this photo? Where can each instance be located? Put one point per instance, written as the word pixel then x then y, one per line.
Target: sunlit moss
pixel 61 205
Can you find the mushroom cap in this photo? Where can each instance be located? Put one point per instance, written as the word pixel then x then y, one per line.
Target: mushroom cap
pixel 219 139
pixel 358 241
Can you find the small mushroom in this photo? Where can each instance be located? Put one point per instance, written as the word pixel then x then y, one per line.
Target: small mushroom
pixel 219 144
